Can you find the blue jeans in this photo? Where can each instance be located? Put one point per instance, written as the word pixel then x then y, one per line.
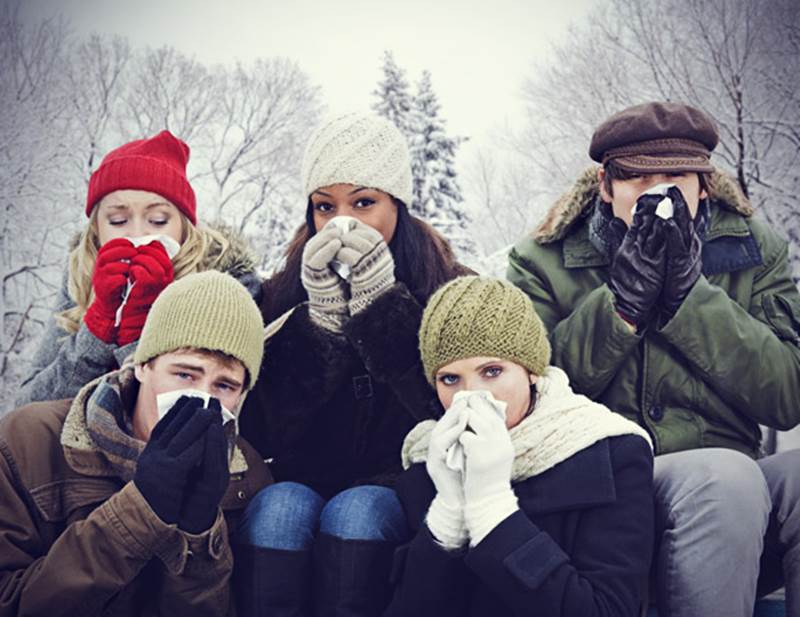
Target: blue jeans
pixel 288 515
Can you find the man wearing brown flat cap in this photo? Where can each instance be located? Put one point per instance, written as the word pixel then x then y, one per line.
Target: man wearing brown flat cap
pixel 669 302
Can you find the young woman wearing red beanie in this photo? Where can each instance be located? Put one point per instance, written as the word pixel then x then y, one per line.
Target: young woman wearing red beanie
pixel 141 235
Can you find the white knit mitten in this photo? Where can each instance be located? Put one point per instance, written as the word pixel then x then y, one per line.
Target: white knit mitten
pixel 369 257
pixel 327 293
pixel 489 453
pixel 445 517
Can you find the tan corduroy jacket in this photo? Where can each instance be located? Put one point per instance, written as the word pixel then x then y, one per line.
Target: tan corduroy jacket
pixel 77 540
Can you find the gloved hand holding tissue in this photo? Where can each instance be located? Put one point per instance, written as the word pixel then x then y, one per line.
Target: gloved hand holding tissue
pixel 475 401
pixel 345 224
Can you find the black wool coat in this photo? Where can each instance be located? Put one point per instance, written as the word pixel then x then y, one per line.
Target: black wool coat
pixel 579 546
pixel 332 410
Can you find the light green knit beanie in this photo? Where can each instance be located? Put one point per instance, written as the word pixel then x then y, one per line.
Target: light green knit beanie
pixel 478 316
pixel 206 310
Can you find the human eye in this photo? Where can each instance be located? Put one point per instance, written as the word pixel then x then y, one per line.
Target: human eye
pixel 183 375
pixel 117 221
pixel 447 379
pixel 323 207
pixel 492 371
pixel 364 202
pixel 158 221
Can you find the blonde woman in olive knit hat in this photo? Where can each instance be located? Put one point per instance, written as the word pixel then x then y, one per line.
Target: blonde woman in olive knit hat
pixel 122 501
pixel 526 498
pixel 342 383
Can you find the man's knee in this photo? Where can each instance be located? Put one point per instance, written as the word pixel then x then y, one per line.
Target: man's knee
pixel 721 487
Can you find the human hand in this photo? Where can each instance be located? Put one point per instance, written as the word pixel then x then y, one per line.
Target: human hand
pixel 151 271
pixel 327 293
pixel 684 262
pixel 109 281
pixel 175 447
pixel 371 262
pixel 638 270
pixel 207 483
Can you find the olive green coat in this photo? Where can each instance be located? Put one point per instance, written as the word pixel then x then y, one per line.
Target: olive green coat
pixel 728 360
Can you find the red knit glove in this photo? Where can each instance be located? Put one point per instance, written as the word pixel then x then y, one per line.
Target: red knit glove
pixel 151 271
pixel 109 280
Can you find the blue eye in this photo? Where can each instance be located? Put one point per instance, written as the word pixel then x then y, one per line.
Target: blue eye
pixel 448 379
pixel 493 371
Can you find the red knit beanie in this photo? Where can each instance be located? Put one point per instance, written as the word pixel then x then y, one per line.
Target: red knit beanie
pixel 157 165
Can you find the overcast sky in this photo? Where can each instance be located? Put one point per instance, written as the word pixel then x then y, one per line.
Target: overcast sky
pixel 478 51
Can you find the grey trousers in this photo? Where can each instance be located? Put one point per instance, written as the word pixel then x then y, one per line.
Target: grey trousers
pixel 728 530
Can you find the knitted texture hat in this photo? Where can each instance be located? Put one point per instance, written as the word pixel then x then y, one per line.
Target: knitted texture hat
pixel 157 165
pixel 359 149
pixel 478 316
pixel 206 310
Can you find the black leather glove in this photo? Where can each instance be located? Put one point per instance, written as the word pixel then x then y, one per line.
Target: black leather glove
pixel 638 270
pixel 684 261
pixel 174 449
pixel 207 482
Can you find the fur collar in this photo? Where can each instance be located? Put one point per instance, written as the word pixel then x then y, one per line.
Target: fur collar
pixel 82 452
pixel 575 204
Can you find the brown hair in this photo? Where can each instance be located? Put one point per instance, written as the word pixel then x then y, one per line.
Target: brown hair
pixel 615 172
pixel 423 261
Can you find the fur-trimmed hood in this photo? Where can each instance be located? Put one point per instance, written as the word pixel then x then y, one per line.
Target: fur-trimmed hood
pixel 237 259
pixel 576 203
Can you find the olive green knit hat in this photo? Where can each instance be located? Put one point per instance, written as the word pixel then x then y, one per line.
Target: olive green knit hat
pixel 478 316
pixel 206 310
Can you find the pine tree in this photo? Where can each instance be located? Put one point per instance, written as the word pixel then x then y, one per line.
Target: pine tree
pixel 437 194
pixel 394 96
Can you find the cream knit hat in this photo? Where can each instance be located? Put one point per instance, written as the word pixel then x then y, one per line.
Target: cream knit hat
pixel 206 310
pixel 361 149
pixel 479 316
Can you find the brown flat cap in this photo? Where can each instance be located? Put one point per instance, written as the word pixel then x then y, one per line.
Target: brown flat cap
pixel 656 137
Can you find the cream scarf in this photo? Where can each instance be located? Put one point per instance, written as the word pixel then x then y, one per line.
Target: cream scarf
pixel 562 424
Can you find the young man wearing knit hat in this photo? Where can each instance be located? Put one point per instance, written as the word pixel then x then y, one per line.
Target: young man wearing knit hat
pixel 524 494
pixel 121 500
pixel 670 303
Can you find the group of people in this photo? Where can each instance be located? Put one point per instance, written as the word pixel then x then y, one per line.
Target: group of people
pixel 375 429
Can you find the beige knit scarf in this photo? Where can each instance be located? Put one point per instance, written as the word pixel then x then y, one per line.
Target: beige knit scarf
pixel 562 424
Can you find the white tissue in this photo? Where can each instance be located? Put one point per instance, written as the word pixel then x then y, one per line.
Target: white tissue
pixel 166 400
pixel 345 224
pixel 170 245
pixel 665 208
pixel 455 454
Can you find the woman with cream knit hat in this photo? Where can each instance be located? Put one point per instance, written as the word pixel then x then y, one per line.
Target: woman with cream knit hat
pixel 525 498
pixel 342 383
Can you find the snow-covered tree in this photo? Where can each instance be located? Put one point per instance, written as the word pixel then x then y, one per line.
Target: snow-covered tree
pixel 394 95
pixel 437 195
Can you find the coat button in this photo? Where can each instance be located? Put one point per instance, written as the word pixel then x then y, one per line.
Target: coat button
pixel 241 495
pixel 656 413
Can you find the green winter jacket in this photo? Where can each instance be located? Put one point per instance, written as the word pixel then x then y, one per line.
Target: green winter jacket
pixel 728 360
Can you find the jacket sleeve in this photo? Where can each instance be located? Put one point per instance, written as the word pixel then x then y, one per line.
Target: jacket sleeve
pixel 427 580
pixel 88 564
pixel 750 358
pixel 608 565
pixel 386 338
pixel 65 362
pixel 304 365
pixel 203 586
pixel 590 341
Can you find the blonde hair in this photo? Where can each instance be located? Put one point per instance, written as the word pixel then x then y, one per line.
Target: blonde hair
pixel 201 249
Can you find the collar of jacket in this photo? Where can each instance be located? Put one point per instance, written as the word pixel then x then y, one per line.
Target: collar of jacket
pixel 82 453
pixel 729 244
